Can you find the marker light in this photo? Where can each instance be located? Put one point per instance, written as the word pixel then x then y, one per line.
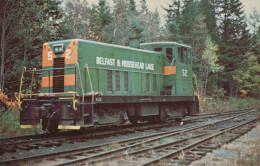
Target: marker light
pixel 58 48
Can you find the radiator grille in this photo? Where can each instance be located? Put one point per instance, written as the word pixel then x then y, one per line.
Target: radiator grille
pixel 154 83
pixel 117 81
pixel 126 81
pixel 58 75
pixel 109 80
pixel 147 82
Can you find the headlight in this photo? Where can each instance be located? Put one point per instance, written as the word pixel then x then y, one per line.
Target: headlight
pixel 58 48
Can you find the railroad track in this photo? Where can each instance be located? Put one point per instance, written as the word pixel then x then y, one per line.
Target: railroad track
pixel 10 145
pixel 150 149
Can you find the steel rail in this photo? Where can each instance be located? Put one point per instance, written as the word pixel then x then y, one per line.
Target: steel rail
pixel 24 140
pixel 98 157
pixel 157 135
pixel 195 144
pixel 160 136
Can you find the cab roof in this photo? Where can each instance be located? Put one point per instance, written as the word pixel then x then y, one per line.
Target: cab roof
pixel 165 43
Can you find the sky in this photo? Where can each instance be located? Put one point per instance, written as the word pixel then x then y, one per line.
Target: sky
pixel 157 4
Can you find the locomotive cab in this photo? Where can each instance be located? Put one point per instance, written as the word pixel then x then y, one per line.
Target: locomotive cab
pixel 177 67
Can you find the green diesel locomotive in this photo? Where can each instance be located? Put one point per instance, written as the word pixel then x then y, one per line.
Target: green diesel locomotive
pixel 85 83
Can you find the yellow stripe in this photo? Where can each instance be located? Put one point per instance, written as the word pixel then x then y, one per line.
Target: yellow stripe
pixel 30 126
pixel 68 127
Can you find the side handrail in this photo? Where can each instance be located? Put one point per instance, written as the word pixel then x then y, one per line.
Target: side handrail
pixel 90 82
pixel 31 87
pixel 195 87
pixel 171 66
pixel 83 94
pixel 20 89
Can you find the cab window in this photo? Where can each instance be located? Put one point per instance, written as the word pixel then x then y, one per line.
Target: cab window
pixel 169 54
pixel 184 55
pixel 180 54
pixel 157 49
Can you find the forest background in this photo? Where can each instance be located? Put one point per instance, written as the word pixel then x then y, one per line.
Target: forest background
pixel 226 55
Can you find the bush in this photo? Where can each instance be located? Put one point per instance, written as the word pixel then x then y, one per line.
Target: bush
pixel 217 105
pixel 10 124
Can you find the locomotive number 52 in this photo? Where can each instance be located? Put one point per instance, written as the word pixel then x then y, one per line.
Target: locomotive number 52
pixel 184 73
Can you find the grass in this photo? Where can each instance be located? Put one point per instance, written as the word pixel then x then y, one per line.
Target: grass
pixel 214 105
pixel 10 125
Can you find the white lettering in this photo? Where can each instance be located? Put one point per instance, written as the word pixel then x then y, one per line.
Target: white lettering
pixel 184 73
pixel 149 66
pixel 105 61
pixel 68 53
pixel 50 56
pixel 124 63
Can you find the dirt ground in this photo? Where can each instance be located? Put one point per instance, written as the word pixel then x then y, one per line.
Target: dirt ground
pixel 242 152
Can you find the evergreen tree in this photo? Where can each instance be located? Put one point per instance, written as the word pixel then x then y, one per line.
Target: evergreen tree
pixel 76 18
pixel 8 22
pixel 136 30
pixel 35 22
pixel 131 6
pixel 104 13
pixel 101 21
pixel 208 9
pixel 189 14
pixel 248 77
pixel 173 20
pixel 254 22
pixel 120 22
pixel 234 41
pixel 144 8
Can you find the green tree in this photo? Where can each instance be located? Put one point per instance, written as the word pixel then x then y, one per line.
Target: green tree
pixel 254 22
pixel 102 22
pixel 208 9
pixel 35 22
pixel 189 13
pixel 76 19
pixel 199 33
pixel 120 23
pixel 209 67
pixel 7 30
pixel 248 77
pixel 152 29
pixel 131 6
pixel 173 20
pixel 234 42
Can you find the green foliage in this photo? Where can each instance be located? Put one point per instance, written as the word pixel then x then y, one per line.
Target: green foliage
pixel 136 30
pixel 208 9
pixel 208 69
pixel 248 77
pixel 10 125
pixel 210 56
pixel 229 104
pixel 173 20
pixel 189 14
pixel 121 23
pixel 131 6
pixel 234 41
pixel 30 24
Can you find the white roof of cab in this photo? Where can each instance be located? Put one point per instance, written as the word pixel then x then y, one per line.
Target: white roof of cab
pixel 165 43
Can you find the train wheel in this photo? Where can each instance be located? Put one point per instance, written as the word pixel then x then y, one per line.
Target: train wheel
pixel 53 127
pixel 133 120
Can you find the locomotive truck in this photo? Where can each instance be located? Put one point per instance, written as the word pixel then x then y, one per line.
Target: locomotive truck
pixel 85 84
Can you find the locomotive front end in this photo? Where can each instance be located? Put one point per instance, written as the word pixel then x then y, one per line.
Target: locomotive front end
pixel 49 97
